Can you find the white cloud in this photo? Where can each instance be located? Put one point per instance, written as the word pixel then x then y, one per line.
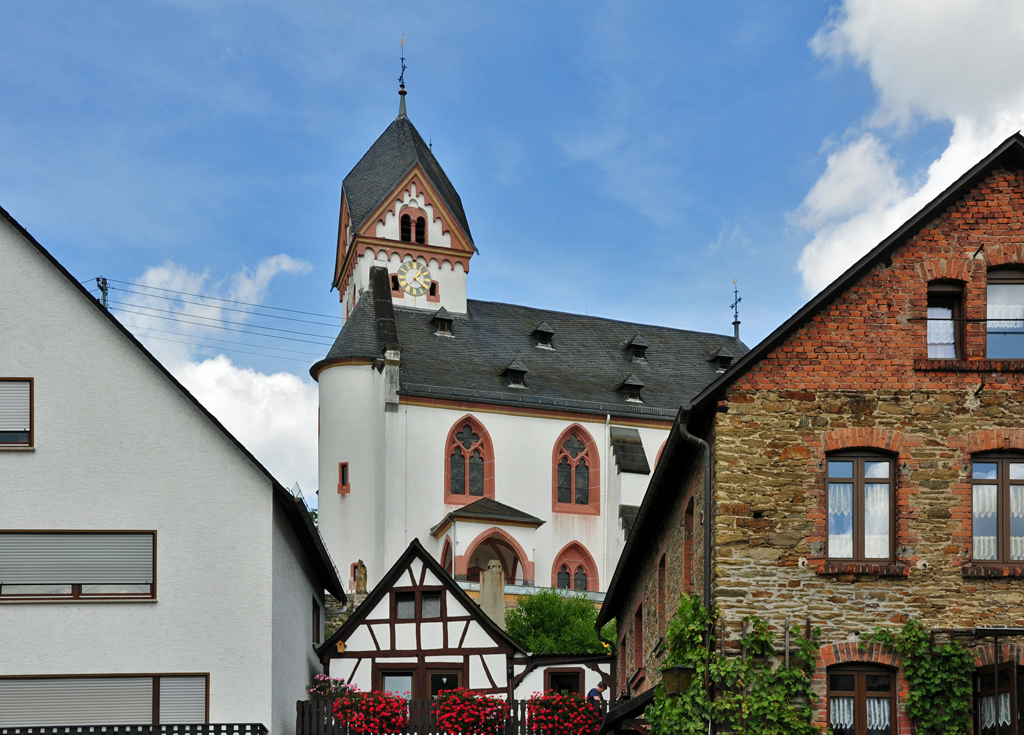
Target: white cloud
pixel 274 416
pixel 955 62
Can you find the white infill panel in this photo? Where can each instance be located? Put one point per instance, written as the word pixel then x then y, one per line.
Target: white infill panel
pixel 496 665
pixel 360 641
pixel 76 701
pixel 430 579
pixel 182 700
pixel 76 558
pixel 15 405
pixel 382 632
pixel 431 635
pixel 416 567
pixel 477 637
pixel 405 637
pixel 477 676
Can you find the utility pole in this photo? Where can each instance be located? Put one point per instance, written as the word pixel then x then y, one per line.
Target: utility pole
pixel 101 282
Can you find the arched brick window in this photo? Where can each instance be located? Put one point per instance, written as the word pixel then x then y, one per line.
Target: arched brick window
pixel 861 700
pixel 574 568
pixel 406 229
pixel 576 473
pixel 469 463
pixel 421 230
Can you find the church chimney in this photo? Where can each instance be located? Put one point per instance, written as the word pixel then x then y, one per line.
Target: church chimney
pixel 492 592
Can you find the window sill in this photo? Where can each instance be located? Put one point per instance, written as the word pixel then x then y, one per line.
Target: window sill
pixel 969 366
pixel 70 600
pixel 16 449
pixel 877 569
pixel 460 500
pixel 585 510
pixel 993 570
pixel 636 679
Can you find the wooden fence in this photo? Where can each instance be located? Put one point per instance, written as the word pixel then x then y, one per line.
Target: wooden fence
pixel 316 718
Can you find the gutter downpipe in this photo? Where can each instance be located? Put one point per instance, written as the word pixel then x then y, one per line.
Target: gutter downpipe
pixel 684 432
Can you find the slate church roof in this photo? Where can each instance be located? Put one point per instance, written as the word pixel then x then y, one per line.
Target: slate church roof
pixel 584 370
pixel 382 168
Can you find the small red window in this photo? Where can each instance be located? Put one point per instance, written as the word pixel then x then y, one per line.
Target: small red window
pixel 343 484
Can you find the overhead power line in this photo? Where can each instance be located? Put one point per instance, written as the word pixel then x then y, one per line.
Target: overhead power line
pixel 217 341
pixel 230 301
pixel 228 349
pixel 225 308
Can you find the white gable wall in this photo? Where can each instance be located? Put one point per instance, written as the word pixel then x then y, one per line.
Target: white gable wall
pixel 118 446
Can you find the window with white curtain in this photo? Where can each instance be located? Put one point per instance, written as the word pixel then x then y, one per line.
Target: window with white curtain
pixel 861 507
pixel 944 321
pixel 997 699
pixel 997 508
pixel 861 700
pixel 1005 315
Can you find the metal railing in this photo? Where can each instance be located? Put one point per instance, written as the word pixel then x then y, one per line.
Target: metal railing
pixel 249 728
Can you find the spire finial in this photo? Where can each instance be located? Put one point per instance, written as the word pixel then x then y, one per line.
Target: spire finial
pixel 401 80
pixel 735 306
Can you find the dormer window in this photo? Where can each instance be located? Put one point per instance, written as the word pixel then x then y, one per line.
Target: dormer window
pixel 631 387
pixel 421 230
pixel 406 228
pixel 515 374
pixel 722 359
pixel 543 334
pixel 442 322
pixel 637 348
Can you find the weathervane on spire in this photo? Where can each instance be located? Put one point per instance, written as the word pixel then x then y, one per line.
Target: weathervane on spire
pixel 401 80
pixel 401 77
pixel 735 306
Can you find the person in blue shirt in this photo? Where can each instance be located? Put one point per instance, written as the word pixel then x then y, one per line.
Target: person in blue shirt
pixel 596 695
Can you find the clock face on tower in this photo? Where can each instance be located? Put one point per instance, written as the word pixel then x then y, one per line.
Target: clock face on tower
pixel 414 278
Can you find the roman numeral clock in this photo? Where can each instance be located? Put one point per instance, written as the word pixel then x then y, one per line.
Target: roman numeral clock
pixel 414 278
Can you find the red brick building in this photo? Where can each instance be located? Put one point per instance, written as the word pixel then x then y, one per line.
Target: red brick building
pixel 864 465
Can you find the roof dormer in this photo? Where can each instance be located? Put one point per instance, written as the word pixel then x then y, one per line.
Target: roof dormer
pixel 442 323
pixel 515 374
pixel 543 334
pixel 636 348
pixel 631 388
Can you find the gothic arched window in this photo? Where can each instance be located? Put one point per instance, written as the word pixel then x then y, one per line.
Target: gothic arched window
pixel 574 557
pixel 577 483
pixel 469 463
pixel 421 230
pixel 406 228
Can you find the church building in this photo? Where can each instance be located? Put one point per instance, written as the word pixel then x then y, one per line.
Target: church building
pixel 483 430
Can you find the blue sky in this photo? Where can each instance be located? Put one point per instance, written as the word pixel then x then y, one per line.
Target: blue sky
pixel 626 160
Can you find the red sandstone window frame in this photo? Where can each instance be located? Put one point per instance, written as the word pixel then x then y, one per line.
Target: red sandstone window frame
pixel 483 445
pixel 344 479
pixel 575 556
pixel 859 457
pixel 592 457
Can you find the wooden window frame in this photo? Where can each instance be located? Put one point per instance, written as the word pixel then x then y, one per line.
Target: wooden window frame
pixel 1002 483
pixel 1016 675
pixel 948 294
pixel 1012 275
pixel 418 604
pixel 344 479
pixel 860 695
pixel 638 637
pixel 592 455
pixel 31 416
pixel 76 594
pixel 562 670
pixel 486 448
pixel 859 457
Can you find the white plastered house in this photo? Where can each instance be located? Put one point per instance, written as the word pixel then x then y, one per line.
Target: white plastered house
pixel 151 569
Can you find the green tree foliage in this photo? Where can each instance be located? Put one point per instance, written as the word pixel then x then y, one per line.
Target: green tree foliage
pixel 939 700
pixel 754 694
pixel 549 623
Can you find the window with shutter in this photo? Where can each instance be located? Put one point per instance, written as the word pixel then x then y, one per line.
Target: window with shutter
pixel 16 412
pixel 76 564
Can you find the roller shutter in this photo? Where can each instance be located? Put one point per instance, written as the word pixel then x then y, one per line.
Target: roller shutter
pixel 76 558
pixel 76 701
pixel 15 405
pixel 182 700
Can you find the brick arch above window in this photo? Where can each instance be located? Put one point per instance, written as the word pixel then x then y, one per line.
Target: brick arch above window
pixel 575 557
pixel 468 462
pixel 859 437
pixel 951 269
pixel 576 473
pixel 994 439
pixel 1004 254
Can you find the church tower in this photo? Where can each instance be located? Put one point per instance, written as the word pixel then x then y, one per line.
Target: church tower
pixel 400 211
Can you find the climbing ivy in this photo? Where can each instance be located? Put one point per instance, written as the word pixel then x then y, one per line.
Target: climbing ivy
pixel 754 694
pixel 939 677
